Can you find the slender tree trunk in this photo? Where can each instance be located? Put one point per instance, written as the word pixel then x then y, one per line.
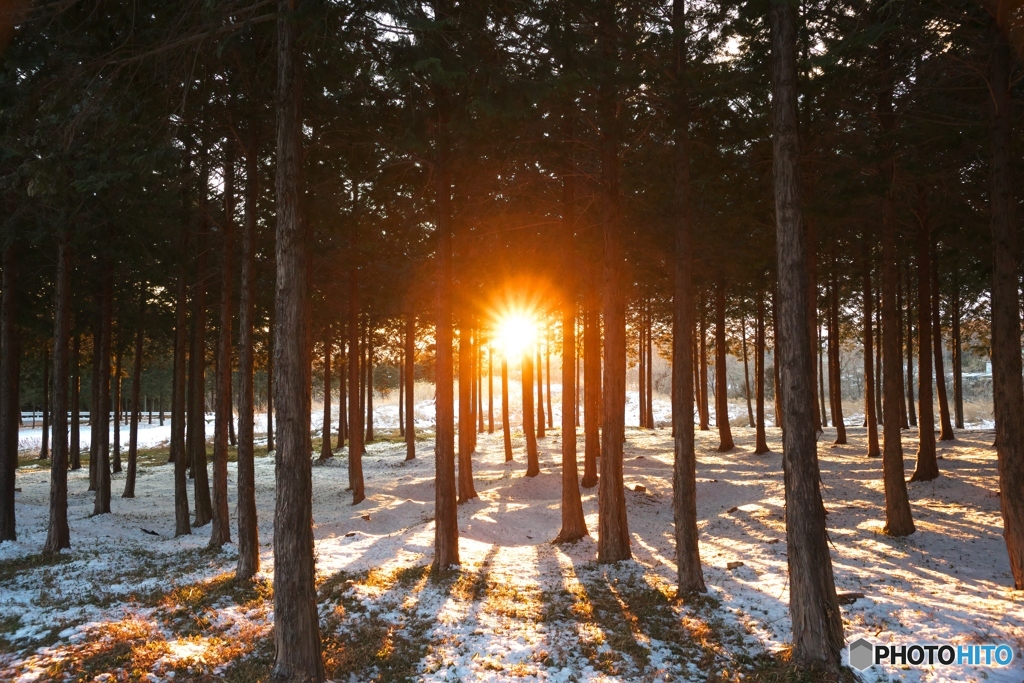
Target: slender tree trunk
pixel 547 379
pixel 297 657
pixel 777 379
pixel 101 504
pixel 878 353
pixel 613 530
pixel 355 374
pixel 480 386
pixel 446 525
pixel 133 428
pixel 726 443
pixel 574 525
pixel 813 606
pixel 911 412
pixel 325 434
pixel 898 521
pixel 75 450
pixel 927 463
pixel 705 413
pixel 761 446
pixel 248 530
pixel 684 463
pixel 410 387
pixel 945 424
pixel 870 416
pixel 466 489
pixel 532 458
pixel 270 388
pixel 1008 391
pixel 958 369
pixel 822 413
pixel 116 402
pixel 220 532
pixel 506 428
pixel 591 393
pixel 904 422
pixel 490 389
pixel 10 410
pixel 44 451
pixel 401 399
pixel 182 524
pixel 541 432
pixel 835 380
pixel 746 371
pixel 196 434
pixel 641 372
pixel 650 371
pixel 369 386
pixel 813 328
pixel 342 397
pixel 58 535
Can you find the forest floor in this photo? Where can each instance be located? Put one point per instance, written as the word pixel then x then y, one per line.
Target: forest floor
pixel 130 602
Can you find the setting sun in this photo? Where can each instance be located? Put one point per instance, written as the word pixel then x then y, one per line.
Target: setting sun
pixel 515 333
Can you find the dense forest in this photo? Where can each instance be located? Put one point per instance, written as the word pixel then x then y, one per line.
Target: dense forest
pixel 277 213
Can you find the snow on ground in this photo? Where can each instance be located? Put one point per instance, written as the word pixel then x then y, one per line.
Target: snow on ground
pixel 521 606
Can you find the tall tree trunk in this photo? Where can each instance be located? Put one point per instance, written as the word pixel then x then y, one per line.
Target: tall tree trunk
pixel 591 393
pixel 777 379
pixel 945 424
pixel 684 462
pixel 506 428
pixel 10 410
pixel 650 371
pixel 705 413
pixel 342 397
pixel 369 385
pixel 911 411
pixel 958 368
pixel 58 535
pixel 1007 389
pixel 101 504
pixel 116 402
pixel 878 353
pixel 547 379
pixel 761 445
pixel 721 378
pixel 248 530
pixel 133 428
pixel 220 532
pixel 44 451
pixel 480 386
pixel 465 480
pixel 490 388
pixel 746 371
pixel 182 524
pixel 75 449
pixel 813 606
pixel 835 380
pixel 613 531
pixel 927 463
pixel 355 375
pixel 898 521
pixel 410 387
pixel 821 377
pixel 574 525
pixel 270 387
pixel 446 525
pixel 325 433
pixel 541 432
pixel 532 459
pixel 401 399
pixel 813 328
pixel 870 416
pixel 297 657
pixel 641 371
pixel 196 434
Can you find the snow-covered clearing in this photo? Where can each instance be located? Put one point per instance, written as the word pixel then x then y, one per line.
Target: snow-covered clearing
pixel 129 603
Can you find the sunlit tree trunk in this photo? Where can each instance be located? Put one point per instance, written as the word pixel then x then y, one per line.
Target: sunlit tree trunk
pixel 297 657
pixel 813 606
pixel 196 434
pixel 466 423
pixel 101 503
pixel 761 445
pixel 355 375
pixel 541 431
pixel 945 425
pixel 927 463
pixel 835 380
pixel 870 416
pixel 532 459
pixel 115 403
pixel 58 535
pixel 591 393
pixel 75 449
pixel 746 370
pixel 702 381
pixel 410 387
pixel 911 411
pixel 182 524
pixel 721 377
pixel 44 451
pixel 506 428
pixel 1008 391
pixel 133 429
pixel 958 369
pixel 325 432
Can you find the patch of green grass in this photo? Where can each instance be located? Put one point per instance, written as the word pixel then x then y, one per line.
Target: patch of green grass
pixel 10 569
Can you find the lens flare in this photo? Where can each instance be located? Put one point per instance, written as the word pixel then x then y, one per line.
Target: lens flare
pixel 515 333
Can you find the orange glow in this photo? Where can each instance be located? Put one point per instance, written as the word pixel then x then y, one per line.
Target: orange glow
pixel 515 333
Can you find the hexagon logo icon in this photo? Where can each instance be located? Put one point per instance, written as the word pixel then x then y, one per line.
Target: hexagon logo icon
pixel 861 652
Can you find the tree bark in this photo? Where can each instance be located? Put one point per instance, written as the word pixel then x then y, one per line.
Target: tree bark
pixel 958 368
pixel 702 382
pixel 133 428
pixel 898 521
pixel 813 328
pixel 325 433
pixel 529 432
pixel 355 374
pixel 1007 388
pixel 726 443
pixel 44 451
pixel 58 535
pixel 746 371
pixel 182 524
pixel 10 410
pixel 945 424
pixel 490 388
pixel 75 449
pixel 835 380
pixel 248 529
pixel 541 432
pixel 369 385
pixel 684 463
pixel 342 398
pixel 196 435
pixel 813 606
pixel 506 428
pixel 270 387
pixel 591 394
pixel 410 387
pixel 220 532
pixel 927 463
pixel 870 416
pixel 116 401
pixel 911 412
pixel 761 444
pixel 819 353
pixel 101 504
pixel 297 657
pixel 466 490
